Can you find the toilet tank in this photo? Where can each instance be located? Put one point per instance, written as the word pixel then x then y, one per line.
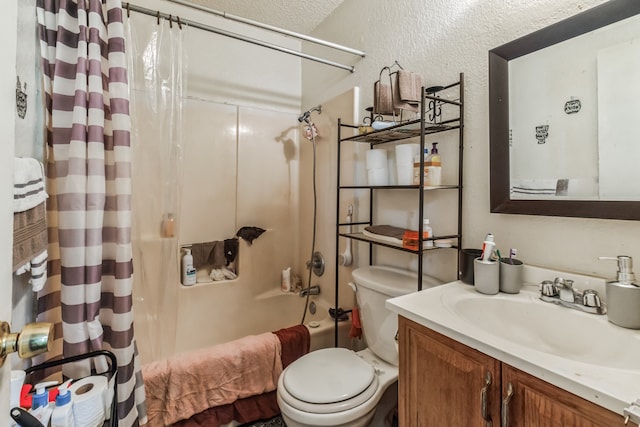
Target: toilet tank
pixel 374 285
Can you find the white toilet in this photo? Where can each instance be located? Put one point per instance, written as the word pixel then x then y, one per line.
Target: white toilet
pixel 338 387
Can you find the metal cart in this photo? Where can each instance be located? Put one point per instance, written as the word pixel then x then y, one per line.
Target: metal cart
pixel 111 373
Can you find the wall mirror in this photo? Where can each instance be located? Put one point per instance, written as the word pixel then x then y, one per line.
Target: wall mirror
pixel 565 117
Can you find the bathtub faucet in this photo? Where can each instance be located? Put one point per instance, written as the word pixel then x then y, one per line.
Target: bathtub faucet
pixel 313 290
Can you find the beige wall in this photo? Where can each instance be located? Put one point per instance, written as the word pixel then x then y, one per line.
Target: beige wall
pixel 440 39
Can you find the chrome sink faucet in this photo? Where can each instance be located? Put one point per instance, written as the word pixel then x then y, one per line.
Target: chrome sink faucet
pixel 565 289
pixel 562 292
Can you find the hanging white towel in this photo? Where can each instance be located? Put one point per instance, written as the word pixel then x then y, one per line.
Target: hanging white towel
pixel 38 268
pixel 28 184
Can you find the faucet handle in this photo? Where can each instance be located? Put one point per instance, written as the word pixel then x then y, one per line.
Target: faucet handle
pixel 590 298
pixel 548 288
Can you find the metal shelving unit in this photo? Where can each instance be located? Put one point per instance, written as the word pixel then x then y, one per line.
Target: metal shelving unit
pixel 422 129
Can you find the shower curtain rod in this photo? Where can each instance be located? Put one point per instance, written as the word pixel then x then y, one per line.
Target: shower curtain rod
pixel 270 28
pixel 177 20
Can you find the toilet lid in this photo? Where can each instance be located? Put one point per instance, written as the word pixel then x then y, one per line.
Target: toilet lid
pixel 328 375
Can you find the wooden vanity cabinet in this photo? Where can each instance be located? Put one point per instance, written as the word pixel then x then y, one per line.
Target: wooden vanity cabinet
pixel 444 383
pixel 538 403
pixel 440 381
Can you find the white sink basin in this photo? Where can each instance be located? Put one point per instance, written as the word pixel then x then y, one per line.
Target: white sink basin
pixel 544 327
pixel 582 353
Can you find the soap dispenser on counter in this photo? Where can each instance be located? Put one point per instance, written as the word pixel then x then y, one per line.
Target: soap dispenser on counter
pixel 623 295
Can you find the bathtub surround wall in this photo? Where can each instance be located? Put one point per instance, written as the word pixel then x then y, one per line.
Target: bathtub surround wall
pixel 444 39
pixel 241 167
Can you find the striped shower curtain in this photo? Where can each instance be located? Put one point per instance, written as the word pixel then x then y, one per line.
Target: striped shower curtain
pixel 88 294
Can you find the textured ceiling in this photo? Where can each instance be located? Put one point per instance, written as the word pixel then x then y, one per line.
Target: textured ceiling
pixel 301 16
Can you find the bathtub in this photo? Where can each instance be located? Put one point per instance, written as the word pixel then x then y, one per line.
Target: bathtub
pixel 210 314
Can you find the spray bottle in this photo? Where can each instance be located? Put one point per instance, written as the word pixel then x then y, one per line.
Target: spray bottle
pixel 63 412
pixel 40 407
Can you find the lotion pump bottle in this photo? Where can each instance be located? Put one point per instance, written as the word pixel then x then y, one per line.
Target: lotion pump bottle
pixel 623 295
pixel 62 415
pixel 188 271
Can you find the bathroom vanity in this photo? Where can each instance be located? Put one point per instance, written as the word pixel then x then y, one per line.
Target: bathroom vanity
pixel 444 382
pixel 468 359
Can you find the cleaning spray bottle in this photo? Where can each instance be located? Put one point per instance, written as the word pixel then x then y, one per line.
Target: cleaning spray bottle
pixel 63 411
pixel 40 407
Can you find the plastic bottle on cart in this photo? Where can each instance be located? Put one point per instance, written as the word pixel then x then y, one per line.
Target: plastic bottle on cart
pixel 63 412
pixel 40 407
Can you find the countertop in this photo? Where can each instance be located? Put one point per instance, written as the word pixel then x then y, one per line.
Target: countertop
pixel 612 388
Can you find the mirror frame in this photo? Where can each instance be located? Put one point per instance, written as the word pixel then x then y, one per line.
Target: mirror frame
pixel 501 202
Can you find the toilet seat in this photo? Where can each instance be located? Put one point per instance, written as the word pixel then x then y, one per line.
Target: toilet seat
pixel 327 381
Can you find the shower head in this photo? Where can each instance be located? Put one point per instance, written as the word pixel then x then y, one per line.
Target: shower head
pixel 304 117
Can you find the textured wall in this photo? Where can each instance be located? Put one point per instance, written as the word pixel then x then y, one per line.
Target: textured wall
pixel 8 25
pixel 439 39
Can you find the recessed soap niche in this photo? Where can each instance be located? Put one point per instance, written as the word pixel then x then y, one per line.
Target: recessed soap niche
pixel 214 261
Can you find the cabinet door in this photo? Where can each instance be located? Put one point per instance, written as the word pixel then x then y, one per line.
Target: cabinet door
pixel 536 403
pixel 441 381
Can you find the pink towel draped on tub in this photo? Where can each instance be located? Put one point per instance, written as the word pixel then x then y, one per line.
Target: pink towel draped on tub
pixel 187 384
pixel 295 342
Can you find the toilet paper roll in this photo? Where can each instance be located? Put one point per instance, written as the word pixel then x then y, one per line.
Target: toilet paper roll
pixel 378 176
pixel 377 158
pixel 405 153
pixel 405 174
pixel 89 397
